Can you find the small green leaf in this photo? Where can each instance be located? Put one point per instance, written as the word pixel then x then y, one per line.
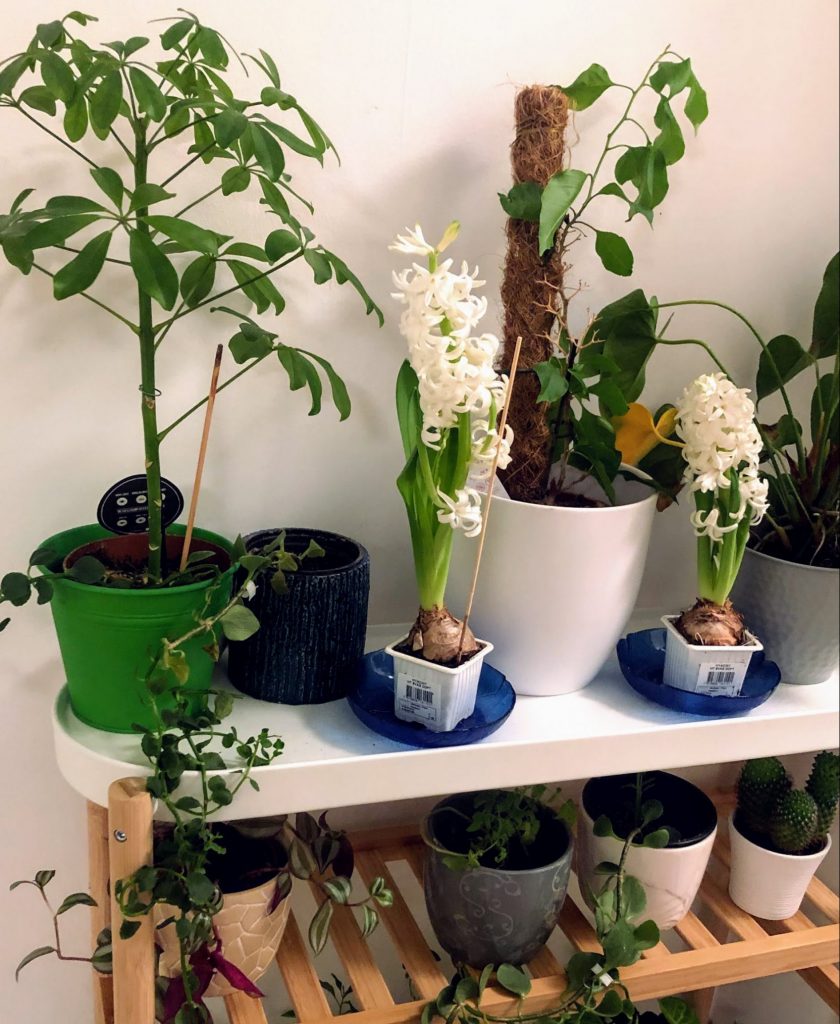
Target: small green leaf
pixel 49 33
pixel 675 1011
pixel 134 44
pixel 466 990
pixel 338 889
pixel 15 587
pixel 783 358
pixel 175 33
pixel 696 106
pixel 826 328
pixel 58 230
pixel 646 935
pixel 602 827
pixel 88 570
pixel 513 979
pixel 190 236
pixel 147 194
pixel 320 265
pixel 587 87
pixel 340 396
pixel 484 980
pixel 76 899
pixel 153 270
pixel 614 252
pixel 523 201
pixel 280 243
pixel 10 75
pixel 110 182
pixel 129 928
pixel 370 920
pixel 105 101
pixel 228 126
pixel 671 75
pixel 552 378
pixel 44 877
pixel 83 269
pixel 57 76
pixel 268 153
pixel 634 899
pixel 76 119
pixel 235 179
pixel 40 98
pixel 197 280
pixel 670 139
pixel 239 622
pixel 558 195
pixel 150 99
pixel 319 929
pixel 657 840
pixel 200 888
pixel 34 955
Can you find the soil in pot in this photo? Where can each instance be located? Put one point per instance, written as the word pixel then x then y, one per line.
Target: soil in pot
pixel 496 913
pixel 126 559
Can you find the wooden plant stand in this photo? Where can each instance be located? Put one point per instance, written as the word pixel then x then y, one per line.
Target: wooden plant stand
pixel 727 946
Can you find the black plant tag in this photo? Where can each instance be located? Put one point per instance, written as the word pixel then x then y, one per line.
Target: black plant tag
pixel 124 506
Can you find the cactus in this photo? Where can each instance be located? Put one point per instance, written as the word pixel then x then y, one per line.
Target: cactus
pixel 824 786
pixel 793 822
pixel 761 784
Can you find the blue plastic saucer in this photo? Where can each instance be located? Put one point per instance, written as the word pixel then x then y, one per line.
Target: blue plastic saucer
pixel 372 701
pixel 642 660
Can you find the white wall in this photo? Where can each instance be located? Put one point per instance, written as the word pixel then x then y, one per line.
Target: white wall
pixel 418 97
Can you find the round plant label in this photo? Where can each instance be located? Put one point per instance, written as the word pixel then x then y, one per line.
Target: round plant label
pixel 124 508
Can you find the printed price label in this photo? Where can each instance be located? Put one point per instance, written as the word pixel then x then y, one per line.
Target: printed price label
pixel 417 700
pixel 722 679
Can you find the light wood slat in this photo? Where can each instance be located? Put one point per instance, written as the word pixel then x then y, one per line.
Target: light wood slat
pixel 657 952
pixel 823 899
pixel 388 836
pixel 299 976
pixel 100 915
pixel 720 904
pixel 416 857
pixel 244 1009
pixel 545 964
pixel 367 981
pixel 577 929
pixel 825 979
pixel 411 945
pixel 695 933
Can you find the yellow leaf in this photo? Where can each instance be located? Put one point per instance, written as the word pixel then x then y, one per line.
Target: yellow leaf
pixel 636 435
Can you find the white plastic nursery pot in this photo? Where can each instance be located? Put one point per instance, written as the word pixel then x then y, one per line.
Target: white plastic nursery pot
pixel 672 875
pixel 704 668
pixel 557 585
pixel 434 695
pixel 250 935
pixel 795 610
pixel 767 884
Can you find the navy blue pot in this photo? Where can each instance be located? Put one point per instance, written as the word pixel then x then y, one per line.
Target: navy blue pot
pixel 311 639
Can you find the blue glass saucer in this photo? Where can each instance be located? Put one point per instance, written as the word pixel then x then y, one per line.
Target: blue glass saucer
pixel 642 660
pixel 372 701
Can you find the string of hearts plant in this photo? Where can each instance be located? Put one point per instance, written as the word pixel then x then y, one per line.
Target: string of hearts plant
pixel 148 123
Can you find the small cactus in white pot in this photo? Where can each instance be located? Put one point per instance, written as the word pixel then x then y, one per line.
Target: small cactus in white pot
pixel 780 834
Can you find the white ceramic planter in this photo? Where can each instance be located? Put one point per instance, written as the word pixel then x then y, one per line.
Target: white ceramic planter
pixel 250 934
pixel 671 877
pixel 557 585
pixel 795 610
pixel 702 668
pixel 768 884
pixel 434 695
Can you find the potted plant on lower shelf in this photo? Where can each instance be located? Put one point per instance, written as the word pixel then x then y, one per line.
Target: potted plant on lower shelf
pixel 708 648
pixel 129 250
pixel 448 399
pixel 779 834
pixel 497 867
pixel 673 824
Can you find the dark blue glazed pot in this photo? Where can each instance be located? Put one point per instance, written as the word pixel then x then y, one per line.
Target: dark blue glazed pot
pixel 489 915
pixel 311 639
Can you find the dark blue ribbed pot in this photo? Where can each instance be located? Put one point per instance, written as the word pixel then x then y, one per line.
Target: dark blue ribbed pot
pixel 310 640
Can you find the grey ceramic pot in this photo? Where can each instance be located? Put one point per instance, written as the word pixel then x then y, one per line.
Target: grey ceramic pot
pixel 311 639
pixel 490 916
pixel 793 610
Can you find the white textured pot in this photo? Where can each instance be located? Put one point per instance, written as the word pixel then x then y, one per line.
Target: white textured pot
pixel 434 695
pixel 250 935
pixel 794 609
pixel 557 585
pixel 671 878
pixel 769 884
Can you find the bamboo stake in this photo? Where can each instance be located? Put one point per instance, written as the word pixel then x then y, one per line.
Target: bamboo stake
pixel 502 424
pixel 202 451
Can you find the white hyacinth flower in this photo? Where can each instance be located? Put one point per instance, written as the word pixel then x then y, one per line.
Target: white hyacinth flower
pixel 463 512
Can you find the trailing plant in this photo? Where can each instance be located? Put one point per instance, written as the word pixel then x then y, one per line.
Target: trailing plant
pixel 594 992
pixel 157 108
pixel 803 521
pixel 448 400
pixel 639 819
pixel 771 813
pixel 592 377
pixel 101 957
pixel 503 822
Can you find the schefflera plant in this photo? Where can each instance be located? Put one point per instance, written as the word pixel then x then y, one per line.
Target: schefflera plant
pixel 150 110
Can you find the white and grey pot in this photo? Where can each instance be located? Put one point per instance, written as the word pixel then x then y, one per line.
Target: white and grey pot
pixel 794 609
pixel 768 884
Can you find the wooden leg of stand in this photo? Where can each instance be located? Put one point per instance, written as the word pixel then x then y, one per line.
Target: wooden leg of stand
pixel 130 847
pixel 100 915
pixel 703 999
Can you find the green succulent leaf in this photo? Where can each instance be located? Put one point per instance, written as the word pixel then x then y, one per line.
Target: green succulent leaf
pixel 16 587
pixel 513 979
pixel 239 623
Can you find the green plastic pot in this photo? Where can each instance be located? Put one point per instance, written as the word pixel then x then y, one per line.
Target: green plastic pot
pixel 108 636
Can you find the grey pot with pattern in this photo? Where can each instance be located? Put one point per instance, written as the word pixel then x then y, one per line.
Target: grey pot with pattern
pixel 793 609
pixel 488 915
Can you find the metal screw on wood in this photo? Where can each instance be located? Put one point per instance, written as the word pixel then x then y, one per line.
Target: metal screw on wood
pixel 119 835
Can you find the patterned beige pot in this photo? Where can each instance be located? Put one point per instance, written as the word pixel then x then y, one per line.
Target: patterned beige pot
pixel 250 935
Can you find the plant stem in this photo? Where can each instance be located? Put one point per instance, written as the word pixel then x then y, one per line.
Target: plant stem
pixel 148 388
pixel 57 137
pixel 86 295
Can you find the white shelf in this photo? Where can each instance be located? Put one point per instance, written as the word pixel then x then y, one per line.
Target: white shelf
pixel 332 760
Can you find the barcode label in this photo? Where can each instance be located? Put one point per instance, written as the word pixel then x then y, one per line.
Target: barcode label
pixel 721 677
pixel 415 693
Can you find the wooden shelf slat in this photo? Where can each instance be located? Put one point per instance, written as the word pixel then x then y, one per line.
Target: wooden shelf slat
pixel 411 945
pixel 695 933
pixel 824 979
pixel 545 964
pixel 299 976
pixel 368 984
pixel 577 929
pixel 244 1009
